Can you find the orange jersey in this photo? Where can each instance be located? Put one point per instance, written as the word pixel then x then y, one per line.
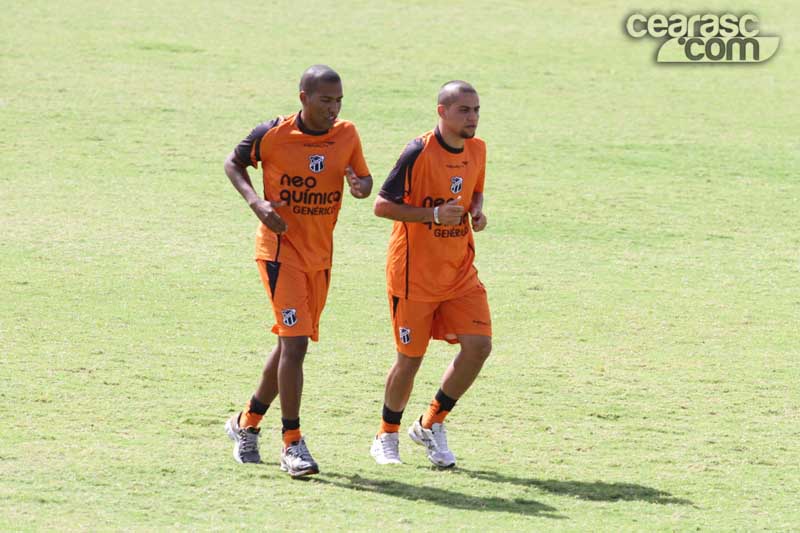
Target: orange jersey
pixel 305 169
pixel 430 262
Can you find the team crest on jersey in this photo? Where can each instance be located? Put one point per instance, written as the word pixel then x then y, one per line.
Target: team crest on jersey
pixel 456 182
pixel 405 335
pixel 289 317
pixel 316 163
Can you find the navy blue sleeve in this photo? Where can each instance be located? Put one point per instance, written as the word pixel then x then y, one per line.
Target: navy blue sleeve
pixel 252 143
pixel 398 184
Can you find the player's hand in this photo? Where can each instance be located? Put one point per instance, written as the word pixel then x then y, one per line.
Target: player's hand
pixel 476 212
pixel 265 211
pixel 450 213
pixel 478 221
pixel 357 188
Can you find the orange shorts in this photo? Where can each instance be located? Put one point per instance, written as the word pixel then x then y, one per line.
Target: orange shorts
pixel 415 323
pixel 297 298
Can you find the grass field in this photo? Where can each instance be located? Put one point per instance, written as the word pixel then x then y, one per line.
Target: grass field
pixel 641 259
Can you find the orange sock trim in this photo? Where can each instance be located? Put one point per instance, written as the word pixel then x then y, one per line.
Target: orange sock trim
pixel 433 415
pixel 388 428
pixel 248 419
pixel 290 436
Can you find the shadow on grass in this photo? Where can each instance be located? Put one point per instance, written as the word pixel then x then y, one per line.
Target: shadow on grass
pixel 446 498
pixel 598 491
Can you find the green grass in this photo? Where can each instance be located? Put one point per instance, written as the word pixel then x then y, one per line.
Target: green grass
pixel 641 260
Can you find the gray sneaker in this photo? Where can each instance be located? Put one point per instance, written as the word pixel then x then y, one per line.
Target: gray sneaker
pixel 297 460
pixel 245 441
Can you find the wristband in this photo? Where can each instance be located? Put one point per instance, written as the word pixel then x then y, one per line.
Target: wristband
pixel 436 214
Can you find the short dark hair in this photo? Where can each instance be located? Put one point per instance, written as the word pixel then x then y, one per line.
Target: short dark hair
pixel 452 90
pixel 316 74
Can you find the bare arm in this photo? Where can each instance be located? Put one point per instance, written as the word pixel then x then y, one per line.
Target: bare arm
pixel 402 212
pixel 264 210
pixel 476 212
pixel 240 179
pixel 359 187
pixel 449 213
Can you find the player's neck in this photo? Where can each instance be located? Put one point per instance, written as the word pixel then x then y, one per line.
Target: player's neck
pixel 315 129
pixel 451 138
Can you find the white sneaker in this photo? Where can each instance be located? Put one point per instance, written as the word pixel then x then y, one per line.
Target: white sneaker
pixel 386 449
pixel 435 441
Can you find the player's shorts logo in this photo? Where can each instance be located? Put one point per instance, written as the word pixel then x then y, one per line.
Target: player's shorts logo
pixel 289 317
pixel 316 163
pixel 405 335
pixel 456 182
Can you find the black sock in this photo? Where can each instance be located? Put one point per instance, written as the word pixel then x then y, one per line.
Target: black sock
pixel 257 407
pixel 446 403
pixel 290 423
pixel 392 417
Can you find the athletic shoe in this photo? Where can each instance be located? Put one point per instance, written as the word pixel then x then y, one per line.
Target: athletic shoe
pixel 386 449
pixel 297 460
pixel 435 441
pixel 245 441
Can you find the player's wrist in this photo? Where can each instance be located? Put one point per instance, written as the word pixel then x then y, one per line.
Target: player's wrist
pixel 436 215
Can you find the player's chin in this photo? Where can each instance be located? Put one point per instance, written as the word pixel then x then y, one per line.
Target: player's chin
pixel 468 133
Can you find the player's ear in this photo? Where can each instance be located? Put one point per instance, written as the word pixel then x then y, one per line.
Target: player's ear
pixel 442 110
pixel 303 97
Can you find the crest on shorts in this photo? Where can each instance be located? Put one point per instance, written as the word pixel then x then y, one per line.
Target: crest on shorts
pixel 316 163
pixel 405 335
pixel 289 317
pixel 456 182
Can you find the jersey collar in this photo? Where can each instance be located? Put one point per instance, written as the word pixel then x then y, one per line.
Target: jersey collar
pixel 444 144
pixel 302 127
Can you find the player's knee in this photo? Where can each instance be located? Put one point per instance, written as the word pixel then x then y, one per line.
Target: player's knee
pixel 406 364
pixel 294 348
pixel 479 348
pixel 485 348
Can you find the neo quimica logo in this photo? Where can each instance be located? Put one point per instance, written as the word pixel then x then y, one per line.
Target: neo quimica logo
pixel 707 38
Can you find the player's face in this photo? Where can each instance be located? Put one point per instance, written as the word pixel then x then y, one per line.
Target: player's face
pixel 461 117
pixel 321 108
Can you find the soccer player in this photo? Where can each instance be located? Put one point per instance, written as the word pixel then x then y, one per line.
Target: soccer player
pixel 433 193
pixel 304 158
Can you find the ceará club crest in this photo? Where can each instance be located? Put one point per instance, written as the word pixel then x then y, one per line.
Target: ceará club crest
pixel 456 182
pixel 289 317
pixel 316 163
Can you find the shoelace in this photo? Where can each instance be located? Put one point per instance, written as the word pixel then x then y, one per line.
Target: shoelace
pixel 388 448
pixel 249 441
pixel 301 450
pixel 429 438
pixel 440 439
